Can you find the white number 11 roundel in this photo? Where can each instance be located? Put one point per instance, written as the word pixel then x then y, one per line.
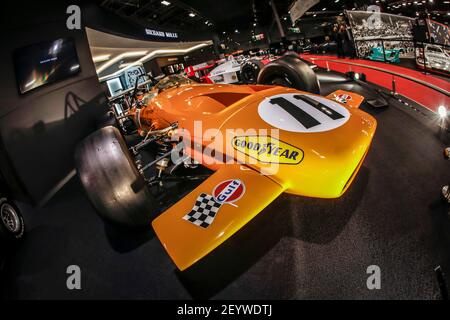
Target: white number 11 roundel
pixel 296 112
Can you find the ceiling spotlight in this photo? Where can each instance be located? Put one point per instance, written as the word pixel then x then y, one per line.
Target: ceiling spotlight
pixel 236 31
pixel 191 14
pixel 314 15
pixel 166 3
pixel 442 111
pixel 336 1
pixel 254 24
pixel 324 9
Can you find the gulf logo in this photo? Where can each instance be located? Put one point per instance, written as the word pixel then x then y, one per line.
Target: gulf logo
pixel 229 191
pixel 343 98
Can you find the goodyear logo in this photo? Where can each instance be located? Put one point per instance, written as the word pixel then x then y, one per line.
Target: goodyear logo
pixel 268 150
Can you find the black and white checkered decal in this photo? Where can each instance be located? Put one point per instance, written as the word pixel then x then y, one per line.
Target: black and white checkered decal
pixel 204 212
pixel 207 206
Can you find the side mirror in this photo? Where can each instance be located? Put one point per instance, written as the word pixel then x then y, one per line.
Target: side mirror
pixel 447 153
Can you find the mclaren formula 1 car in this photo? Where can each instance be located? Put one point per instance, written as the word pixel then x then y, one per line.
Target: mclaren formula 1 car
pixel 258 141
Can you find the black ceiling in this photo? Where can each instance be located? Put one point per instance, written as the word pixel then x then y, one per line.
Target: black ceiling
pixel 228 15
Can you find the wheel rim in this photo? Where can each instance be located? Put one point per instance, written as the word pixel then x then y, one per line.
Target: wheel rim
pixel 10 218
pixel 248 76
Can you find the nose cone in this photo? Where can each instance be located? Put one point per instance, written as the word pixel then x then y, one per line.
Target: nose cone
pixel 332 158
pixel 312 146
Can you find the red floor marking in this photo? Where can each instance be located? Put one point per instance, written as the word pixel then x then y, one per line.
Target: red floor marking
pixel 421 94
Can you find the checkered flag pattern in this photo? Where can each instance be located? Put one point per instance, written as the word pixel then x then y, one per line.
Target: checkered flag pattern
pixel 204 211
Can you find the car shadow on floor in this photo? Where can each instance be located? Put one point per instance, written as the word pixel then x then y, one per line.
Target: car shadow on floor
pixel 123 240
pixel 315 221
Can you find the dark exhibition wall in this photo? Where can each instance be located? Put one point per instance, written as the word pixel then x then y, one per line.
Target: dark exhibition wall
pixel 40 129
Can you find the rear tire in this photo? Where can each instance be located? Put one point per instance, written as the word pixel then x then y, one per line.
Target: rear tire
pixel 290 71
pixel 111 180
pixel 250 71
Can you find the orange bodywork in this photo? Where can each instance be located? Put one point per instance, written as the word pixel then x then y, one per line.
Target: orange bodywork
pixel 257 144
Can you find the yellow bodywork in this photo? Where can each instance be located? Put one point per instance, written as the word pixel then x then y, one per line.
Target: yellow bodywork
pixel 313 164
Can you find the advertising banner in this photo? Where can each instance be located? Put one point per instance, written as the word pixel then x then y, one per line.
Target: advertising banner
pixel 435 56
pixel 299 7
pixel 373 30
pixel 439 33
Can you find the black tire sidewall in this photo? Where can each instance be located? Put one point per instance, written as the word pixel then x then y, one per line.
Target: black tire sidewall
pixel 299 74
pixel 97 176
pixel 255 67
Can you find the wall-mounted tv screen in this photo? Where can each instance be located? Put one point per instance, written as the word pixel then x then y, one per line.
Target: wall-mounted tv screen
pixel 45 62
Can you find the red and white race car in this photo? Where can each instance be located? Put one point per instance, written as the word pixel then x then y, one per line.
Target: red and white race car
pixel 238 69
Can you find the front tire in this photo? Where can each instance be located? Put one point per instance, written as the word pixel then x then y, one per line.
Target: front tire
pixel 111 180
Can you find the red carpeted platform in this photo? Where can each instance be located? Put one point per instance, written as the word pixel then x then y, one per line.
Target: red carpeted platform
pixel 425 89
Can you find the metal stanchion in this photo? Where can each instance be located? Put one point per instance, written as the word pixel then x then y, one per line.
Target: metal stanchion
pixel 394 89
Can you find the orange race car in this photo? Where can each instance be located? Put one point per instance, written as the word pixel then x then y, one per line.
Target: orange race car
pixel 258 140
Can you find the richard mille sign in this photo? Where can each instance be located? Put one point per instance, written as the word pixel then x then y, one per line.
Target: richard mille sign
pixel 161 34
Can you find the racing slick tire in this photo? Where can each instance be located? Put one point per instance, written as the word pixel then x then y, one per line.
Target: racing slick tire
pixel 12 227
pixel 290 71
pixel 107 119
pixel 250 70
pixel 111 180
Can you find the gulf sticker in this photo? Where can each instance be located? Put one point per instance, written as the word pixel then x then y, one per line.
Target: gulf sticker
pixel 229 191
pixel 343 98
pixel 266 149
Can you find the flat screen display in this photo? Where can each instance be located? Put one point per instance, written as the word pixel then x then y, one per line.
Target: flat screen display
pixel 46 62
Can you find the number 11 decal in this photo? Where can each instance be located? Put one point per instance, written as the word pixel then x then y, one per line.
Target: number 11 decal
pixel 303 113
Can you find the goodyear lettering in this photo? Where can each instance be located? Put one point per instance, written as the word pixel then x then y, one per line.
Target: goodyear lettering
pixel 268 150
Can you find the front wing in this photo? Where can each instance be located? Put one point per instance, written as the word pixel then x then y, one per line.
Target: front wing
pixel 213 212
